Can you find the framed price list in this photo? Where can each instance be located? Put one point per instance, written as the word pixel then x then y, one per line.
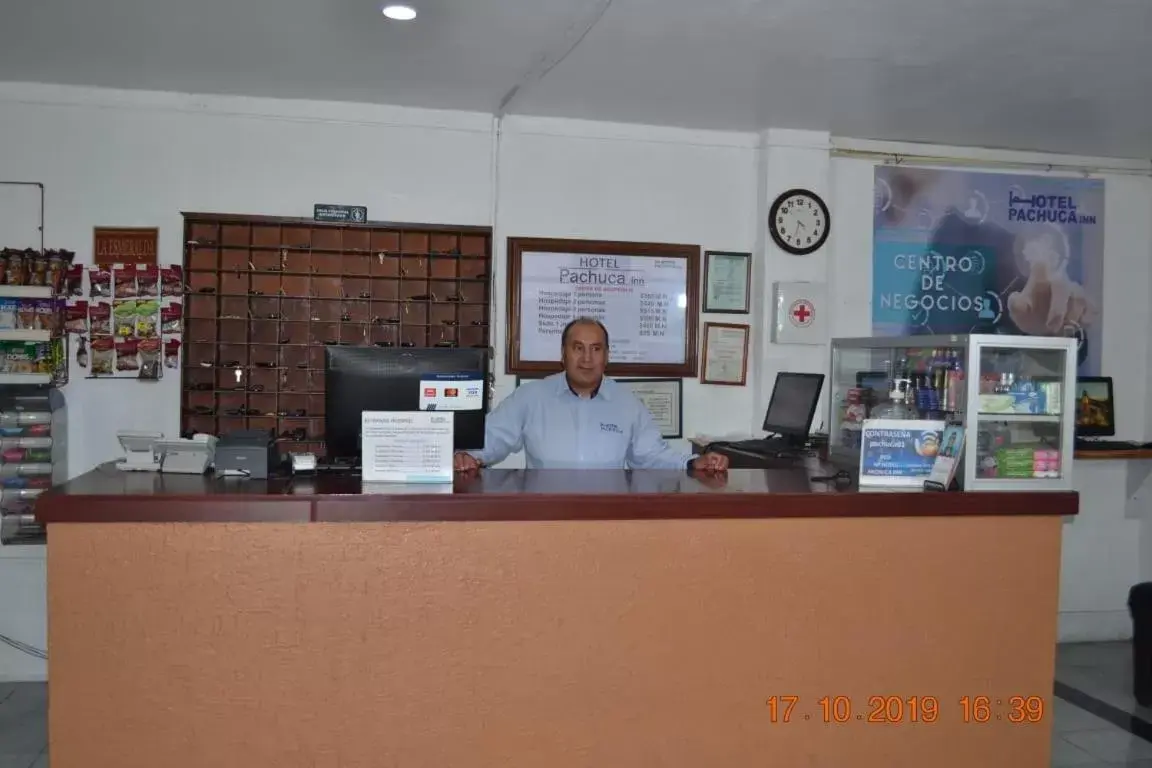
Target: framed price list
pixel 645 294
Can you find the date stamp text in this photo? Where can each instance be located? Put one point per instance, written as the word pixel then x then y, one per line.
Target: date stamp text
pixel 906 710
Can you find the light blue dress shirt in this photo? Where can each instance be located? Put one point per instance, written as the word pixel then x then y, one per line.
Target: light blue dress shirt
pixel 557 429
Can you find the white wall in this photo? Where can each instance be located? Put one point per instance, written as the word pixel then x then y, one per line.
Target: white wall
pixel 111 158
pixel 23 611
pixel 138 159
pixel 568 178
pixel 116 158
pixel 790 159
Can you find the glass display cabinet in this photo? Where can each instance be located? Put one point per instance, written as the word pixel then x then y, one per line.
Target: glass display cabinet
pixel 1014 395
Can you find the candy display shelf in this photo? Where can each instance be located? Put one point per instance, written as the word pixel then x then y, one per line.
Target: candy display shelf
pixel 33 456
pixel 32 348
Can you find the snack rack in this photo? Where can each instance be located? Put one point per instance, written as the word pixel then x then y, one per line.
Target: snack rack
pixel 33 362
pixel 33 457
pixel 32 345
pixel 130 318
pixel 265 295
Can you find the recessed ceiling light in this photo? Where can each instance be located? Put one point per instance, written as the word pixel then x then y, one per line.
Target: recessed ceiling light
pixel 400 12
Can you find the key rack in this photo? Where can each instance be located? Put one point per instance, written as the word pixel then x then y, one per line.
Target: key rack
pixel 265 295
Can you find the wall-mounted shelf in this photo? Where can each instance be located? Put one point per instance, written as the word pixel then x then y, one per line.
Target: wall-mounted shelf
pixel 32 346
pixel 1132 454
pixel 25 378
pixel 1053 418
pixel 25 335
pixel 265 295
pixel 26 292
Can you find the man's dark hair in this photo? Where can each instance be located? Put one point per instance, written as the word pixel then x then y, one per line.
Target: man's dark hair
pixel 583 321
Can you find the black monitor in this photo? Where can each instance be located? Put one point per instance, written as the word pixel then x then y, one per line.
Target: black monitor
pixel 358 379
pixel 877 384
pixel 793 405
pixel 877 381
pixel 1095 407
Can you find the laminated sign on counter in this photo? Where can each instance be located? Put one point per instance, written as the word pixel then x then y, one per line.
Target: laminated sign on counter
pixel 406 446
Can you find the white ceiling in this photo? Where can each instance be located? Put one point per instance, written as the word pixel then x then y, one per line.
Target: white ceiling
pixel 1054 75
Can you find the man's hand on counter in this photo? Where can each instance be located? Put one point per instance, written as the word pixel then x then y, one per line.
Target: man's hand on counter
pixel 710 462
pixel 465 462
pixel 714 480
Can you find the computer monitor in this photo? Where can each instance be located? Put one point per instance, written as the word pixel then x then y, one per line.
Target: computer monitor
pixel 876 383
pixel 1095 407
pixel 793 405
pixel 358 379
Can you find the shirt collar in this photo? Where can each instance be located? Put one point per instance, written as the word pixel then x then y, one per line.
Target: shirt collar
pixel 604 390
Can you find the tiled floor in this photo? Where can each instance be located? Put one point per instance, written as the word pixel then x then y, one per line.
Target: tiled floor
pixel 1096 722
pixel 1097 677
pixel 23 725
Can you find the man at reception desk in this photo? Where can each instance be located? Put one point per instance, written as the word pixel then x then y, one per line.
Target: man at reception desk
pixel 579 419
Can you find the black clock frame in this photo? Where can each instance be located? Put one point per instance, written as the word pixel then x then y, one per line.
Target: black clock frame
pixel 778 203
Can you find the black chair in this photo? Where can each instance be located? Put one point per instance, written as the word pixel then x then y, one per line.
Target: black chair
pixel 1140 606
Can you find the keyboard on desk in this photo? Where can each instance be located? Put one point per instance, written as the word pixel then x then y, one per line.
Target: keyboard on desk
pixel 763 447
pixel 1109 445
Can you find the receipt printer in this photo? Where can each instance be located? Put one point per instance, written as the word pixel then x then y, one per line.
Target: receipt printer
pixel 247 453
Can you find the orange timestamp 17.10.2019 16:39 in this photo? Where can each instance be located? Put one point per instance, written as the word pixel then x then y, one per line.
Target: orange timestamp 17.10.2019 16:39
pixel 906 710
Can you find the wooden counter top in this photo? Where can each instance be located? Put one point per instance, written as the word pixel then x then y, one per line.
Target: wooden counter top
pixel 108 495
pixel 1129 453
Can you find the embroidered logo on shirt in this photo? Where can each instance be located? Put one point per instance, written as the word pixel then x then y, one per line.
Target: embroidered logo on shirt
pixel 611 428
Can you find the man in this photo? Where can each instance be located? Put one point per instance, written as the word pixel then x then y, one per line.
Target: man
pixel 580 420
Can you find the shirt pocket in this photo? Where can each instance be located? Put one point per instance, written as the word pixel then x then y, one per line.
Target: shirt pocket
pixel 610 439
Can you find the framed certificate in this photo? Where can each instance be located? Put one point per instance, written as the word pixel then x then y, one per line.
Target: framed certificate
pixel 664 400
pixel 725 354
pixel 646 294
pixel 521 379
pixel 727 282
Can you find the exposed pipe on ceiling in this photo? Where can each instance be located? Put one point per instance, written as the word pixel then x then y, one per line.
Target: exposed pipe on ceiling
pixel 576 32
pixel 899 158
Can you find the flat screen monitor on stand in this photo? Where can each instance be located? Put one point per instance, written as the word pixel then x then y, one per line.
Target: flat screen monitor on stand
pixel 789 417
pixel 793 407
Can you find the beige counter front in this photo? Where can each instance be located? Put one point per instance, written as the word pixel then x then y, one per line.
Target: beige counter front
pixel 394 631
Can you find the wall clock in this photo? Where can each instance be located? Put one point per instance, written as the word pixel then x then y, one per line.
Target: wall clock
pixel 799 221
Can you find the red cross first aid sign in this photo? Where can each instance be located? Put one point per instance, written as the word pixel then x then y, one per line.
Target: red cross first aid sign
pixel 800 313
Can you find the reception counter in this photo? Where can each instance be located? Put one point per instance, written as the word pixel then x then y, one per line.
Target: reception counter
pixel 546 618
